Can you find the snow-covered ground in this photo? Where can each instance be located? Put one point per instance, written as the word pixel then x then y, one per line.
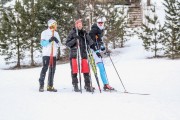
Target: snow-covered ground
pixel 20 99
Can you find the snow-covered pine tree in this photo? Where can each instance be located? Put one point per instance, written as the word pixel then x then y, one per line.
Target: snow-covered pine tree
pixel 5 1
pixel 12 44
pixel 122 26
pixel 116 26
pixel 152 33
pixel 172 28
pixel 29 13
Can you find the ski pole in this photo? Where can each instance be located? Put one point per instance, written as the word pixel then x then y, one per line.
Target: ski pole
pixel 78 56
pixel 117 74
pixel 51 72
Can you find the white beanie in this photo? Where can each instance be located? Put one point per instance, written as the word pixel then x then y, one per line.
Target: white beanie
pixel 51 22
pixel 102 19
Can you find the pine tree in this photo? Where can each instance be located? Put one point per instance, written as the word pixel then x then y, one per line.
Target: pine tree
pixel 152 33
pixel 1 14
pixel 172 26
pixel 116 25
pixel 12 31
pixel 122 27
pixel 29 13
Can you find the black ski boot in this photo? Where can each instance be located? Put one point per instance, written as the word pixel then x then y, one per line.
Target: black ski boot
pixel 76 88
pixel 88 88
pixel 41 88
pixel 51 89
pixel 108 87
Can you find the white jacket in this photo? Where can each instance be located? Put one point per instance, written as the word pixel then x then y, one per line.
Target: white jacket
pixel 45 36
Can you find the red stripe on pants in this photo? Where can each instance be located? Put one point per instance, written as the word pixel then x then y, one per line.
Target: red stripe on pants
pixel 74 66
pixel 85 66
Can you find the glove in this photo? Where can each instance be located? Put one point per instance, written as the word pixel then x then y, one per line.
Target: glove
pixel 102 48
pixel 54 39
pixel 98 54
pixel 50 40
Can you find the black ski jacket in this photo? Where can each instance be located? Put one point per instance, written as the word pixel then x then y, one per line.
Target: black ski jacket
pixel 96 35
pixel 72 43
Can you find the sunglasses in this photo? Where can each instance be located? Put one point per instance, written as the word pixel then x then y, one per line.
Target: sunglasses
pixel 100 22
pixel 54 24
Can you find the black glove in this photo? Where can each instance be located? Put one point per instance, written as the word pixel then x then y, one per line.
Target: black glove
pixel 50 40
pixel 98 54
pixel 102 48
pixel 54 39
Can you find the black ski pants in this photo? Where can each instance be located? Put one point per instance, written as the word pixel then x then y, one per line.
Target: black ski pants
pixel 46 60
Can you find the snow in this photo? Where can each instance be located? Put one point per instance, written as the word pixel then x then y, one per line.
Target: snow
pixel 10 4
pixel 20 99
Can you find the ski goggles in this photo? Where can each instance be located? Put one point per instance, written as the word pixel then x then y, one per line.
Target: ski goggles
pixel 54 24
pixel 100 22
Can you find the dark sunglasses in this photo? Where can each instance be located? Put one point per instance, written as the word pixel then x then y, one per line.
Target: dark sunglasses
pixel 100 22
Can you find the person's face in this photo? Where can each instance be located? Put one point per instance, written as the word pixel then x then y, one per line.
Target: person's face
pixel 79 26
pixel 100 23
pixel 54 26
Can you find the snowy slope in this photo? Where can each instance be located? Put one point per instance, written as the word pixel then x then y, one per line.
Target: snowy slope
pixel 20 99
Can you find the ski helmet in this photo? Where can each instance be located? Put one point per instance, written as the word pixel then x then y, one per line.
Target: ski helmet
pixel 51 22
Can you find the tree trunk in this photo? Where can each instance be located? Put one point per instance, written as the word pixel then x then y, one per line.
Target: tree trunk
pixel 114 44
pixel 106 45
pixel 122 42
pixel 148 2
pixel 18 54
pixel 32 54
pixel 155 50
pixel 33 30
pixel 59 54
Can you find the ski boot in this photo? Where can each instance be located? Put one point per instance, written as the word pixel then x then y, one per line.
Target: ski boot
pixel 51 89
pixel 41 88
pixel 76 89
pixel 107 87
pixel 88 88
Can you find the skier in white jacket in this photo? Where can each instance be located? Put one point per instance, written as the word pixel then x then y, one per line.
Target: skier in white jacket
pixel 47 36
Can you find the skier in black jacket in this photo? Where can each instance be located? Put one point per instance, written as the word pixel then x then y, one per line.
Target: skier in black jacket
pixel 96 34
pixel 72 44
